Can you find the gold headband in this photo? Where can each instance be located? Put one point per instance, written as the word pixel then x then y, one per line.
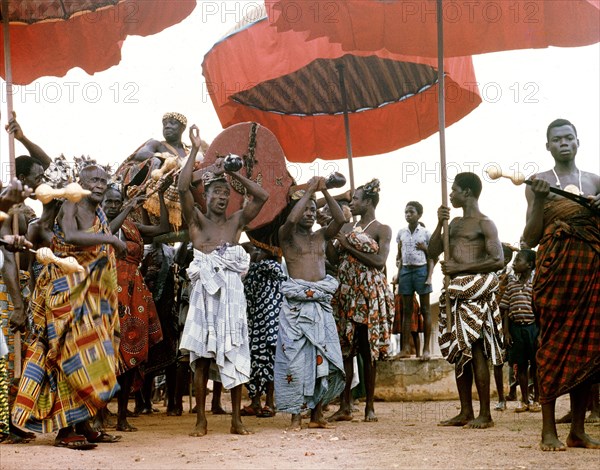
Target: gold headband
pixel 177 116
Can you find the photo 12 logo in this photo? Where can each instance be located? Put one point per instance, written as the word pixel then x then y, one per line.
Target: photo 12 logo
pixel 74 92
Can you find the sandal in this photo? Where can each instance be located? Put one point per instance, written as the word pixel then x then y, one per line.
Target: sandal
pixel 535 407
pixel 248 411
pixel 74 442
pixel 266 412
pixel 522 408
pixel 100 437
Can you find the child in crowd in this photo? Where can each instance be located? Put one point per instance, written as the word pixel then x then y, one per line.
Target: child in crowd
pixel 522 330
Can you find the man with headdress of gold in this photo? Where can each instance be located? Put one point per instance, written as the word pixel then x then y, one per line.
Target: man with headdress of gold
pixel 164 156
pixel 363 303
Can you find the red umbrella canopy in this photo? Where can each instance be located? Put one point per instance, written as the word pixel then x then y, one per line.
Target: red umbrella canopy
pixel 469 27
pixel 292 87
pixel 50 37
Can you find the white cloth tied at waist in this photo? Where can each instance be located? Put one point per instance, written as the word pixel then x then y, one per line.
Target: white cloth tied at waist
pixel 216 326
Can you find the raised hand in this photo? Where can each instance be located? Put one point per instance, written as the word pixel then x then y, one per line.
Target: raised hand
pixel 195 137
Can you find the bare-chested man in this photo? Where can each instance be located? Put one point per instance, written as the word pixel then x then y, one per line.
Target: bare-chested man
pixel 364 305
pixel 216 328
pixel 309 369
pixel 566 285
pixel 475 256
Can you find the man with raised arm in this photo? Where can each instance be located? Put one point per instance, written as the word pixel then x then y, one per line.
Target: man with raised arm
pixel 216 328
pixel 566 285
pixel 309 369
pixel 476 330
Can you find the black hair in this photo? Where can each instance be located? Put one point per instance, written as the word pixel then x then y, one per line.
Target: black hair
pixel 468 180
pixel 559 123
pixel 416 205
pixel 529 256
pixel 24 163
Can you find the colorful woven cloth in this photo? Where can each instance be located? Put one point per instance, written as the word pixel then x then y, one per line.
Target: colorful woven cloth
pixel 140 326
pixel 475 316
pixel 309 368
pixel 71 363
pixel 216 326
pixel 7 354
pixel 566 295
pixel 363 297
pixel 262 287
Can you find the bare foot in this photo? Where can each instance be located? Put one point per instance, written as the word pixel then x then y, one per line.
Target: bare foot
pixel 201 429
pixel 370 416
pixel 296 424
pixel 550 442
pixel 218 410
pixel 582 440
pixel 239 429
pixel 124 426
pixel 566 419
pixel 403 355
pixel 321 425
pixel 426 356
pixel 480 423
pixel 340 415
pixel 458 420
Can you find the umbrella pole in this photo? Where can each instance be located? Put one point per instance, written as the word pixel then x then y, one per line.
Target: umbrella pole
pixel 11 152
pixel 444 174
pixel 340 68
pixel 9 90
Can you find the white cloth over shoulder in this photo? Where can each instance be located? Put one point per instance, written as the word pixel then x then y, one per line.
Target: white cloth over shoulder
pixel 216 326
pixel 3 346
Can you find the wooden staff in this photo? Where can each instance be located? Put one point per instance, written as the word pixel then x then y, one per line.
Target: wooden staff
pixel 518 178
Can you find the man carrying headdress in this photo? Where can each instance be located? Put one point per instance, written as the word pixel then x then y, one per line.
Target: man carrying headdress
pixel 216 329
pixel 363 304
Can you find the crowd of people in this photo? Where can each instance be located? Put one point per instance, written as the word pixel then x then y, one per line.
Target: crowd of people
pixel 291 321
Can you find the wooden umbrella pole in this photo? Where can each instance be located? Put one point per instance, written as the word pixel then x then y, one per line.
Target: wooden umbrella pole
pixel 9 89
pixel 340 68
pixel 444 173
pixel 11 154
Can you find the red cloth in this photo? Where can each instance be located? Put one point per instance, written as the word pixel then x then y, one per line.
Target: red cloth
pixel 91 41
pixel 416 321
pixel 469 27
pixel 140 326
pixel 566 297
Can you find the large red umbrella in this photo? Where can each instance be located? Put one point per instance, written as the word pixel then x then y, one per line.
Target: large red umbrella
pixel 410 27
pixel 294 88
pixel 50 37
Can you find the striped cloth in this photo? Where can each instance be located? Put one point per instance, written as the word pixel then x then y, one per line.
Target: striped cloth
pixel 475 316
pixel 309 368
pixel 8 382
pixel 518 300
pixel 566 297
pixel 70 366
pixel 216 326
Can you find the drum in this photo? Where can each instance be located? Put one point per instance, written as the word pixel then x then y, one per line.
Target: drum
pixel 264 163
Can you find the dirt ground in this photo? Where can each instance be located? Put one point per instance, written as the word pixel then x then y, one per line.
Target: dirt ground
pixel 406 436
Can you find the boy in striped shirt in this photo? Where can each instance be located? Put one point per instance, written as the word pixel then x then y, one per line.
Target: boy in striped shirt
pixel 522 329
